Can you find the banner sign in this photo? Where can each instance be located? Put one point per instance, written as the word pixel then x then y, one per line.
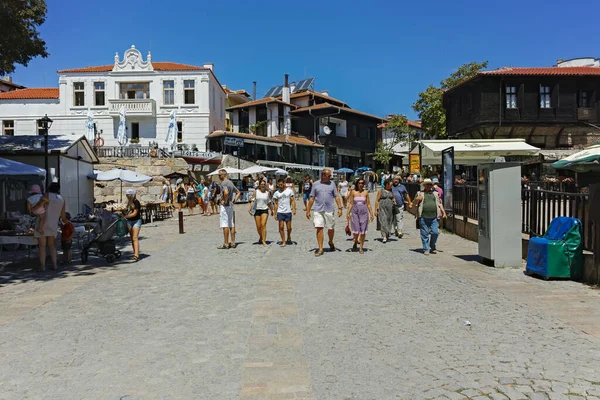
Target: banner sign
pixel 197 154
pixel 233 141
pixel 415 163
pixel 447 178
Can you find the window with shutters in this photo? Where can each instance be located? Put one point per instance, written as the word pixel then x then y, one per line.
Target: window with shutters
pixel 8 127
pixel 545 97
pixel 189 95
pixel 511 97
pixel 78 94
pixel 99 98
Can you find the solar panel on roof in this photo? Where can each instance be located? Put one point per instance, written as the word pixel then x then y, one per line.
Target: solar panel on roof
pixel 304 84
pixel 271 91
pixel 278 91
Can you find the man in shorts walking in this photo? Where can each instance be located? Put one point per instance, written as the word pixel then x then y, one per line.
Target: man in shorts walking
pixel 322 195
pixel 285 202
pixel 229 195
pixel 306 189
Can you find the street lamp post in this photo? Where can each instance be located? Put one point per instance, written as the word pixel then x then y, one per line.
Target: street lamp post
pixel 46 123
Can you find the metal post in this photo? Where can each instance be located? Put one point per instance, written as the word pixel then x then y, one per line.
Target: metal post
pixel 181 222
pixel 46 155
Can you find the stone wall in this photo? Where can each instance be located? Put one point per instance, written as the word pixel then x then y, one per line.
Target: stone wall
pixel 157 168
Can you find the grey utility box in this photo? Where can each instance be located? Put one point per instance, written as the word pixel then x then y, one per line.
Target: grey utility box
pixel 499 206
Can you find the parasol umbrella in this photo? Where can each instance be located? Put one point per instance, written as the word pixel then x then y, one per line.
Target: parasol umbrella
pixel 90 132
pixel 280 171
pixel 582 161
pixel 124 175
pixel 171 139
pixel 230 170
pixel 362 169
pixel 257 169
pixel 121 133
pixel 345 170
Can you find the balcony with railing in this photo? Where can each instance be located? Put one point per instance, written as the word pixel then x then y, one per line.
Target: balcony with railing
pixel 139 107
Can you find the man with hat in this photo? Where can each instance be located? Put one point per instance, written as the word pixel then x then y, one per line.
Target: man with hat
pixel 430 208
pixel 436 186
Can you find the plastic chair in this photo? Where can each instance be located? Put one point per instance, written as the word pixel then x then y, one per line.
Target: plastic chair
pixel 559 253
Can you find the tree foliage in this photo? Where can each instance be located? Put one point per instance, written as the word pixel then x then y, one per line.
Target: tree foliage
pixel 401 133
pixel 20 40
pixel 429 106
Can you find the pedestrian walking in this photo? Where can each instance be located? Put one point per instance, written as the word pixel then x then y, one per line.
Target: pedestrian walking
pixel 200 196
pixel 214 191
pixel 359 213
pixel 181 194
pixel 285 204
pixel 306 189
pixel 165 191
pixel 260 205
pixel 436 186
pixel 401 194
pixel 384 209
pixel 46 237
pixel 191 198
pixel 134 221
pixel 66 239
pixel 343 189
pixel 322 196
pixel 229 195
pixel 430 209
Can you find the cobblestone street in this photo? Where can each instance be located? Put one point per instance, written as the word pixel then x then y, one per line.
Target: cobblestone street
pixel 192 322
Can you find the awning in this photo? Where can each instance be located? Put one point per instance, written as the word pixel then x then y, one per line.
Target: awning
pixel 473 152
pixel 287 166
pixel 10 169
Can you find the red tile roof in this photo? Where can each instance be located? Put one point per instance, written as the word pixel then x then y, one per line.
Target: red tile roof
pixel 317 94
pixel 412 124
pixel 327 105
pixel 158 66
pixel 550 71
pixel 264 100
pixel 300 140
pixel 31 93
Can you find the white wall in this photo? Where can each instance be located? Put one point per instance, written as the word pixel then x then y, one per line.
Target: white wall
pixel 75 187
pixel 273 116
pixel 301 101
pixel 199 119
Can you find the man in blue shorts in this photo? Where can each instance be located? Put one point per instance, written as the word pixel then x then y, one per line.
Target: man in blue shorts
pixel 285 203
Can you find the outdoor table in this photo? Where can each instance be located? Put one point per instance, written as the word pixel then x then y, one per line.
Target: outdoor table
pixel 28 240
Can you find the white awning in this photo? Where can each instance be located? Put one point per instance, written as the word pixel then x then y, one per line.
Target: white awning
pixel 472 152
pixel 287 166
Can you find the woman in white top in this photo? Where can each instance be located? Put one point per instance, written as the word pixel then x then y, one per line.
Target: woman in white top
pixel 343 189
pixel 55 210
pixel 260 205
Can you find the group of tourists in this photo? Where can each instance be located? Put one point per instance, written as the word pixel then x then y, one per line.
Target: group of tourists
pixel 322 197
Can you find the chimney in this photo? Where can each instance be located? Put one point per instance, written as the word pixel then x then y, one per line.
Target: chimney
pixel 210 66
pixel 285 94
pixel 325 93
pixel 8 79
pixel 254 90
pixel 292 87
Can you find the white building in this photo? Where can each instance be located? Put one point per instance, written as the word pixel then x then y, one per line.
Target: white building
pixel 148 91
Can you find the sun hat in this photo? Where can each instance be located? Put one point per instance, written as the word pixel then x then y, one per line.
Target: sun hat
pixel 130 191
pixel 435 180
pixel 178 181
pixel 35 189
pixel 427 182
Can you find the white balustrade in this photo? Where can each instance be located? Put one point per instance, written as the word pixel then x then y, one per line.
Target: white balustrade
pixel 139 107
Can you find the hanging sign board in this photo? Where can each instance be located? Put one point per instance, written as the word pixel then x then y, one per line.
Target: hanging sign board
pixel 233 141
pixel 415 164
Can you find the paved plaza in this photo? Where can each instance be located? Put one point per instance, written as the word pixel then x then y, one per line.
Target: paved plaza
pixel 192 322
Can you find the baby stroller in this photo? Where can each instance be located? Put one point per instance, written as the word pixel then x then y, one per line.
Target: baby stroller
pixel 101 241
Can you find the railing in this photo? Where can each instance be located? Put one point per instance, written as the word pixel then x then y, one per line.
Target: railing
pixel 142 106
pixel 464 200
pixel 540 207
pixel 131 152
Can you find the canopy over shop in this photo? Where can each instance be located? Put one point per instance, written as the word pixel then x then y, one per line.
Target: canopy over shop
pixel 473 152
pixel 71 160
pixel 15 180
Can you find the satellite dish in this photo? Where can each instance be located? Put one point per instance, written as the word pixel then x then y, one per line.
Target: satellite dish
pixel 326 130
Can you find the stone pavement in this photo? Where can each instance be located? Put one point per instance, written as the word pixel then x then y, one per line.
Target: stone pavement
pixel 193 322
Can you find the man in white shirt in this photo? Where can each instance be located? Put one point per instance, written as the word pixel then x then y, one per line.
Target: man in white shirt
pixel 285 202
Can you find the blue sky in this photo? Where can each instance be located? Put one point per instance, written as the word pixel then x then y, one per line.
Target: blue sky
pixel 375 55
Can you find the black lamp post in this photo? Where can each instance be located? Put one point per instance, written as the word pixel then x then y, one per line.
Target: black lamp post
pixel 46 123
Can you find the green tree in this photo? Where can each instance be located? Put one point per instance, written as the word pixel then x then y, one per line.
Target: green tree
pixel 20 40
pixel 429 105
pixel 401 133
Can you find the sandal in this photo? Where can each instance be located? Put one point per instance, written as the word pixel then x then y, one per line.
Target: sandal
pixel 361 251
pixel 223 247
pixel 355 246
pixel 318 253
pixel 232 245
pixel 135 258
pixel 331 246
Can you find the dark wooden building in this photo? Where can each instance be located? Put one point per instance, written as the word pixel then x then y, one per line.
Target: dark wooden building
pixel 552 108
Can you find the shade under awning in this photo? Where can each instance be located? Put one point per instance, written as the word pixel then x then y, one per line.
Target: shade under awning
pixel 10 168
pixel 473 152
